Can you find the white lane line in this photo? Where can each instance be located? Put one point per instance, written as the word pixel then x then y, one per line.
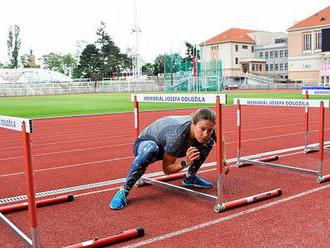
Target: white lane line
pixel 66 141
pixel 68 151
pixel 223 219
pixel 69 166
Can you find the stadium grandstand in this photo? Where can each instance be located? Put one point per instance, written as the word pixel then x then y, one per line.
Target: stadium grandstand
pixel 33 81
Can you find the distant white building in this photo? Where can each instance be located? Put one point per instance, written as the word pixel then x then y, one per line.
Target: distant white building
pixel 248 51
pixel 275 55
pixel 230 47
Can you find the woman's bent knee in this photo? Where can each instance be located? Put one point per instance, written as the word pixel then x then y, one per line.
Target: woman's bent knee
pixel 148 147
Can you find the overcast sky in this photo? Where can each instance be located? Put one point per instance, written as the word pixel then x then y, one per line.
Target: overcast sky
pixel 56 26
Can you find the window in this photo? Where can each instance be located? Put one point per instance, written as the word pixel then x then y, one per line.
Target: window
pixel 281 67
pixel 266 67
pixel 252 49
pixel 307 41
pixel 318 40
pixel 286 53
pixel 281 53
pixel 276 67
pixel 244 47
pixel 261 55
pixel 253 67
pixel 260 67
pixel 236 61
pixel 271 54
pixel 286 66
pixel 271 66
pixel 236 48
pixel 276 54
pixel 266 55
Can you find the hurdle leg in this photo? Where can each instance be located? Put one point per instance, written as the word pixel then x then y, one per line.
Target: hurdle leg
pixel 144 181
pixel 16 230
pixel 219 152
pixel 30 184
pixel 247 200
pixel 41 203
pixel 124 236
pixel 239 134
pixel 320 179
pixel 247 162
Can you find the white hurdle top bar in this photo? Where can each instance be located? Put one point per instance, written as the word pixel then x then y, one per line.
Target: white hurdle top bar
pixel 15 123
pixel 282 102
pixel 180 98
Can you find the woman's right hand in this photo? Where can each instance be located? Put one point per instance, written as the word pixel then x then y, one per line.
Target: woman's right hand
pixel 192 154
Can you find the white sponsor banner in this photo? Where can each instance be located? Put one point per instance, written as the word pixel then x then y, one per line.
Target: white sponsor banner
pixel 317 92
pixel 15 123
pixel 282 102
pixel 180 98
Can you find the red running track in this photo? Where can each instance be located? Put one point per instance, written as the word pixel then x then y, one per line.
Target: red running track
pixel 70 152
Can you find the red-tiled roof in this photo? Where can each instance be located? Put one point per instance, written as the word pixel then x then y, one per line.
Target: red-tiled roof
pixel 321 18
pixel 231 35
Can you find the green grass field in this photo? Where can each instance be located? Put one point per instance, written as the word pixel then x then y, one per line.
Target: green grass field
pixel 71 105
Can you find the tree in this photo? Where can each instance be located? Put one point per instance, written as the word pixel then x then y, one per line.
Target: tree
pixel 13 44
pixel 109 52
pixel 168 63
pixel 159 65
pixel 148 69
pixel 90 63
pixel 61 63
pixel 113 61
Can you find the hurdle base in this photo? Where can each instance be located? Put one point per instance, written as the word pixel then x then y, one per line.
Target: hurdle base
pixel 323 179
pixel 164 178
pixel 311 150
pixel 243 163
pixel 124 236
pixel 40 203
pixel 247 200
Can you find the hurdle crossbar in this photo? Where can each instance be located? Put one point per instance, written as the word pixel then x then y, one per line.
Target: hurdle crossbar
pixel 218 100
pixel 321 104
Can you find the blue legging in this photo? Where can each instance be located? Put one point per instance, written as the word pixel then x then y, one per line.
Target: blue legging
pixel 147 152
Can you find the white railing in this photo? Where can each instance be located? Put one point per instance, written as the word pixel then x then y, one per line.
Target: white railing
pixel 80 87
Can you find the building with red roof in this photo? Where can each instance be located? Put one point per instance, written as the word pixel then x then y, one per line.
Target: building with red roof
pixel 309 49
